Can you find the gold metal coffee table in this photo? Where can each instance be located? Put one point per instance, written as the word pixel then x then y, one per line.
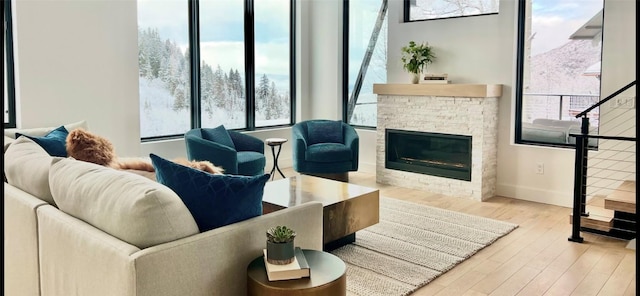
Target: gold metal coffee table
pixel 347 208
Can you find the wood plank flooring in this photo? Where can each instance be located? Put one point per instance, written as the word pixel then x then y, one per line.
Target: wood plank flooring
pixel 534 259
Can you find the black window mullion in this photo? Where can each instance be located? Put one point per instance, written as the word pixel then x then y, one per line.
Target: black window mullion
pixel 194 51
pixel 249 64
pixel 11 122
pixel 292 62
pixel 520 69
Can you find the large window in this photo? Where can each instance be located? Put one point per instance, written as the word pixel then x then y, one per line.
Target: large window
pixel 420 10
pixel 8 86
pixel 365 58
pixel 559 61
pixel 209 62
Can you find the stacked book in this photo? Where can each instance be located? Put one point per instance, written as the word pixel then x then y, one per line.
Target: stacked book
pixel 297 269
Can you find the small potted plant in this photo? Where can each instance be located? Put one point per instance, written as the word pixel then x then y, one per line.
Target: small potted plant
pixel 280 248
pixel 416 57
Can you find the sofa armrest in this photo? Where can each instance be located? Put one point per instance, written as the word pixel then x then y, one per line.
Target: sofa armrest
pixel 215 262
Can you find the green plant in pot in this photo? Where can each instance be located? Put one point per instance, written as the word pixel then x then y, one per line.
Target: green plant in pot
pixel 280 247
pixel 416 57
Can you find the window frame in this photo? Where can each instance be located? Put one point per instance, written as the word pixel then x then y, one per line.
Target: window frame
pixel 9 64
pixel 406 13
pixel 521 14
pixel 249 45
pixel 345 65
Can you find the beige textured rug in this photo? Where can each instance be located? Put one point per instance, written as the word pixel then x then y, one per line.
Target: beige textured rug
pixel 412 245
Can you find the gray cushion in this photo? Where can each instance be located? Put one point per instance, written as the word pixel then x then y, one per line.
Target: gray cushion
pixel 27 167
pixel 546 134
pixel 128 206
pixel 42 131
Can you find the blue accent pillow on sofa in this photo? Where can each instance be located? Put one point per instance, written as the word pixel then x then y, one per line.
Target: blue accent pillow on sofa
pixel 55 142
pixel 218 135
pixel 213 200
pixel 324 132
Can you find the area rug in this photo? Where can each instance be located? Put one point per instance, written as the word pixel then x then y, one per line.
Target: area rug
pixel 412 245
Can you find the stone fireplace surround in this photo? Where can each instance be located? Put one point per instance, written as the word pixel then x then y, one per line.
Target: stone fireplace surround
pixel 459 109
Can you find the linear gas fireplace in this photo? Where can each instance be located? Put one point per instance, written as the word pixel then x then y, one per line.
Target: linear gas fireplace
pixel 435 154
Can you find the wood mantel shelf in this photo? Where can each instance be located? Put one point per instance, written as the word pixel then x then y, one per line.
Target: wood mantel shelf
pixel 440 90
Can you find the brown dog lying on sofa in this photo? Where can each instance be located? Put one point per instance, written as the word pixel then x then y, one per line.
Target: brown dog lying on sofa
pixel 89 147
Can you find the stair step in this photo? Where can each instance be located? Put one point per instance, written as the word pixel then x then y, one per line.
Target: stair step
pixel 623 198
pixel 599 218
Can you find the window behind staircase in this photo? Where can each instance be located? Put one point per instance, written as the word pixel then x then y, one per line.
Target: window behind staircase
pixel 560 45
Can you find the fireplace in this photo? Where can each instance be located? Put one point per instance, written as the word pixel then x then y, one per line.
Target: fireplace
pixel 436 154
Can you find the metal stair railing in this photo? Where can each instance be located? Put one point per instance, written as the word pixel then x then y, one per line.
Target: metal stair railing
pixel 581 164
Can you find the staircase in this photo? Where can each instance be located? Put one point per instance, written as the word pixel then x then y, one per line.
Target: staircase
pixel 613 215
pixel 604 195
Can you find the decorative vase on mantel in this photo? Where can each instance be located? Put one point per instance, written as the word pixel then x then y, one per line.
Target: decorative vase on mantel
pixel 280 247
pixel 415 79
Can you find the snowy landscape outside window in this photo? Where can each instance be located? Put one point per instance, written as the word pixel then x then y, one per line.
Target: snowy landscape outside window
pixel 420 10
pixel 166 85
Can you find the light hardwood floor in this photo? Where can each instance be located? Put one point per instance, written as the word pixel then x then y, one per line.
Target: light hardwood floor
pixel 534 259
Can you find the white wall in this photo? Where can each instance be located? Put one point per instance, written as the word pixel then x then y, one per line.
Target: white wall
pixel 78 60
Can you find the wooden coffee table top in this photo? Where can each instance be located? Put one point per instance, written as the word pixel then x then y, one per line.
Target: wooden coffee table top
pixel 301 189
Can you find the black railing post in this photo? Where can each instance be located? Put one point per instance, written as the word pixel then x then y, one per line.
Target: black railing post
pixel 580 182
pixel 577 191
pixel 560 108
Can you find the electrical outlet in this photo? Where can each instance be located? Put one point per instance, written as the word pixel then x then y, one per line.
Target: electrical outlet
pixel 540 168
pixel 624 102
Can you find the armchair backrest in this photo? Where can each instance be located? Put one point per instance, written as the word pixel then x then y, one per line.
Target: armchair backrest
pixel 323 131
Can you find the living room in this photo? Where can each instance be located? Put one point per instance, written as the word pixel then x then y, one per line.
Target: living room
pixel 78 60
pixel 91 72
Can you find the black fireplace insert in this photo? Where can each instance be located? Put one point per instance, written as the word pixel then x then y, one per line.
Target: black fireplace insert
pixel 435 154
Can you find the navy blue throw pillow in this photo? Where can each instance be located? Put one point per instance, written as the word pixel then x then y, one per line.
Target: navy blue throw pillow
pixel 55 142
pixel 324 132
pixel 213 200
pixel 219 135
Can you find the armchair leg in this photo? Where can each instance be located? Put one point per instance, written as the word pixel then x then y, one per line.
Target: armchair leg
pixel 342 177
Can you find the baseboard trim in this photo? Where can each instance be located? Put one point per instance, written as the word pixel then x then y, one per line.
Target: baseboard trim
pixel 557 198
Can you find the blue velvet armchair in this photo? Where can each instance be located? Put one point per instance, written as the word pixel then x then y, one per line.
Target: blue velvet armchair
pixel 237 153
pixel 325 148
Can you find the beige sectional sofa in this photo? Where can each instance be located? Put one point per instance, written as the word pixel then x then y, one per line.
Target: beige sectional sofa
pixel 75 228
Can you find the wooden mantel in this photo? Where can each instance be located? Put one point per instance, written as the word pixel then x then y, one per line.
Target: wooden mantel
pixel 440 90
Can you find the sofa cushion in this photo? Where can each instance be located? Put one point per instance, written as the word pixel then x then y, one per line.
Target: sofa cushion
pixel 328 152
pixel 214 200
pixel 27 166
pixel 218 135
pixel 39 132
pixel 53 142
pixel 7 142
pixel 127 206
pixel 324 131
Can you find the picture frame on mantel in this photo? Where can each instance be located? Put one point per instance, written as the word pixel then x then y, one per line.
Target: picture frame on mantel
pixel 416 10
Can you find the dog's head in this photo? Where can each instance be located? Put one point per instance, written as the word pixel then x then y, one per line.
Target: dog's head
pixel 89 147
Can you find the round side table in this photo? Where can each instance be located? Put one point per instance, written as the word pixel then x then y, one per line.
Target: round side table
pixel 273 143
pixel 328 277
